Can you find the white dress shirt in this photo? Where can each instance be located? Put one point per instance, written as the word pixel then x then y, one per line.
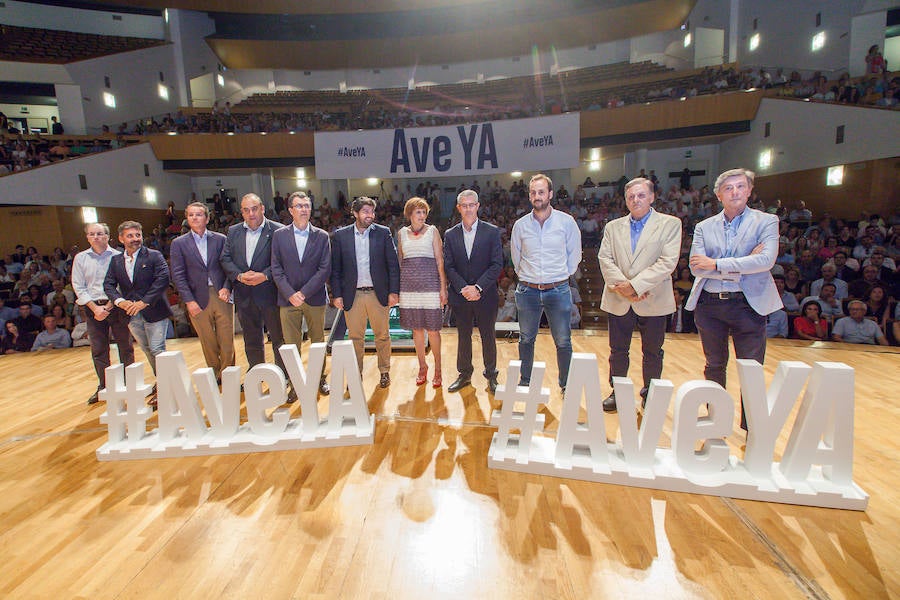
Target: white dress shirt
pixel 88 272
pixel 548 253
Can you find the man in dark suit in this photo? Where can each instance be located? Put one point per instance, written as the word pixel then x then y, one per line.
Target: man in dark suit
pixel 473 259
pixel 247 260
pixel 301 264
pixel 365 281
pixel 136 282
pixel 204 288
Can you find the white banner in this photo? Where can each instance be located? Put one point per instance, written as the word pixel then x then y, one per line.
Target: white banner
pixel 541 143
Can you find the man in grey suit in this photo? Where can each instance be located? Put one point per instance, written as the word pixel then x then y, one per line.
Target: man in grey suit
pixel 731 256
pixel 473 259
pixel 247 259
pixel 301 264
pixel 201 282
pixel 637 256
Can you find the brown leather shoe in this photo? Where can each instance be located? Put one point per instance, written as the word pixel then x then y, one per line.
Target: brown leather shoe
pixel 385 380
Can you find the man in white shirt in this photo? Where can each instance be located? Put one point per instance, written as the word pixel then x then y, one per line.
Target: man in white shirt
pixel 88 271
pixel 546 251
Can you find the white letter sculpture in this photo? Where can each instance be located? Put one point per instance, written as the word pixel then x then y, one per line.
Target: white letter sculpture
pixel 183 428
pixel 816 469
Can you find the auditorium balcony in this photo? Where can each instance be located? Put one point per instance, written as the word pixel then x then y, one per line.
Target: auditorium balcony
pixel 28 44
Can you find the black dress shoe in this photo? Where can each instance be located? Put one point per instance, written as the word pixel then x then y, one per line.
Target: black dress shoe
pixel 609 405
pixel 292 395
pixel 153 391
pixel 492 384
pixel 95 398
pixel 385 380
pixel 461 382
pixel 644 392
pixel 324 388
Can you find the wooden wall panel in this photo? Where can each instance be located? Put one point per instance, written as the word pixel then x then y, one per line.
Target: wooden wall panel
pixel 873 186
pixel 46 227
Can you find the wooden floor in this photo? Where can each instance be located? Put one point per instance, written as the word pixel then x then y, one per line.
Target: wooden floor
pixel 418 514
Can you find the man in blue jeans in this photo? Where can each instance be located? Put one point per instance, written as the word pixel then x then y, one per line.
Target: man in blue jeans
pixel 136 283
pixel 546 250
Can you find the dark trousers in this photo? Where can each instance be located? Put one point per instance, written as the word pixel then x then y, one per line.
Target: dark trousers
pixel 253 317
pixel 98 333
pixel 717 320
pixel 653 334
pixel 466 314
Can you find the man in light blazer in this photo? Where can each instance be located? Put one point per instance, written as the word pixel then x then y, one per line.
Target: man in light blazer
pixel 365 281
pixel 731 257
pixel 204 288
pixel 473 259
pixel 301 264
pixel 136 283
pixel 247 259
pixel 637 256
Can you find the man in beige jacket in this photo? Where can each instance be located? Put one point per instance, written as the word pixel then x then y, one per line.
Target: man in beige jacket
pixel 637 256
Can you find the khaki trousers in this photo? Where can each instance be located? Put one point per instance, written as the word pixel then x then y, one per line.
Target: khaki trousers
pixel 215 327
pixel 366 307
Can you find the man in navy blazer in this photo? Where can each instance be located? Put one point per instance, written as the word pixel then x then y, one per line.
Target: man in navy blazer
pixel 136 282
pixel 365 281
pixel 473 259
pixel 301 264
pixel 731 257
pixel 247 260
pixel 204 288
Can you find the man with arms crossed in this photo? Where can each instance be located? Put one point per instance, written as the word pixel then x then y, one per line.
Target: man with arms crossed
pixel 301 264
pixel 88 271
pixel 473 259
pixel 546 250
pixel 731 256
pixel 247 259
pixel 365 281
pixel 637 256
pixel 204 288
pixel 136 283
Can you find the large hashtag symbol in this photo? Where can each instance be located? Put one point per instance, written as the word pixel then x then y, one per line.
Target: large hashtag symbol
pixel 526 422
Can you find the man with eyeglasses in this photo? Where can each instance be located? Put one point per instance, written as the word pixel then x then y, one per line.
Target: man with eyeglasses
pixel 247 259
pixel 473 259
pixel 301 265
pixel 88 272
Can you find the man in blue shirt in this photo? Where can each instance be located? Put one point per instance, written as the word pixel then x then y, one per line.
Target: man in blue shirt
pixel 546 251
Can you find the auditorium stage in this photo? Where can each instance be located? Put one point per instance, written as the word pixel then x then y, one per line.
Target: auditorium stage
pixel 418 513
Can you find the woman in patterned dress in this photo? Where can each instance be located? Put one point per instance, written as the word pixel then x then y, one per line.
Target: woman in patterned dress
pixel 423 285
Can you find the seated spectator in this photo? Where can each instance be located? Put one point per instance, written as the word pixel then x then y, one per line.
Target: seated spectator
pixel 794 283
pixel 26 321
pixel 801 213
pixel 896 326
pixel 51 338
pixel 777 324
pixel 858 288
pixel 878 305
pixel 15 340
pixel 843 269
pixel 857 329
pixel 63 321
pixel 80 335
pixel 828 276
pixel 810 325
pixel 864 248
pixel 5 277
pixel 59 287
pixel 886 266
pixel 791 306
pixel 682 320
pixel 685 280
pixel 507 312
pixel 808 265
pixel 829 305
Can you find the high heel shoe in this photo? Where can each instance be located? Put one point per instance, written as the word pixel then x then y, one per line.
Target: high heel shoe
pixel 423 375
pixel 436 382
